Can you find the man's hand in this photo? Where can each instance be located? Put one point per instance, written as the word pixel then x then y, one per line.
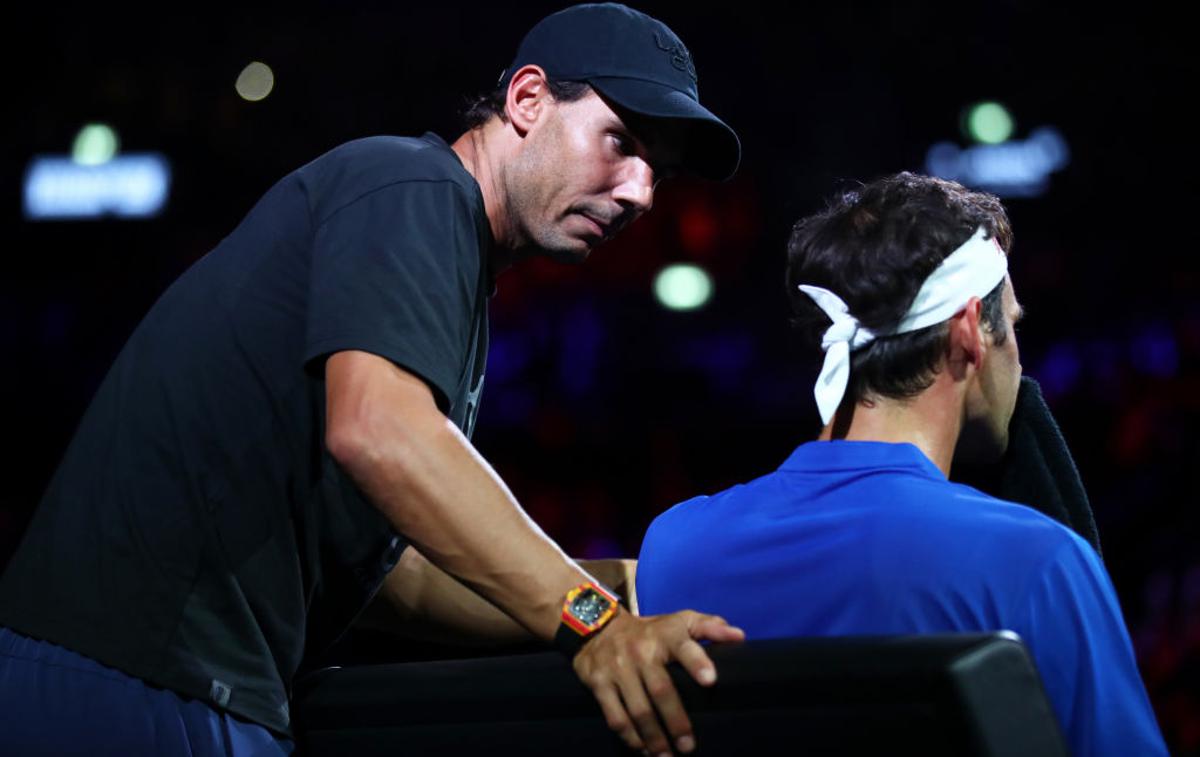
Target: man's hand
pixel 387 433
pixel 625 666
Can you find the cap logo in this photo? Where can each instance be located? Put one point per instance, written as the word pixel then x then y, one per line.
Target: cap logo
pixel 680 57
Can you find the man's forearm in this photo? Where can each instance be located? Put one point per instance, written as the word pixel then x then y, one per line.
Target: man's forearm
pixel 419 600
pixel 385 430
pixel 434 488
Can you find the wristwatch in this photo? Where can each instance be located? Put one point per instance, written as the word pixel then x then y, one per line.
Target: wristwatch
pixel 587 609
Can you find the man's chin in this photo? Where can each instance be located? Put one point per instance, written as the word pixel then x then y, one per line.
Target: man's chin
pixel 570 257
pixel 569 254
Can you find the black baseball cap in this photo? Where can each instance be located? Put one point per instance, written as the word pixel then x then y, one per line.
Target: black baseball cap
pixel 638 63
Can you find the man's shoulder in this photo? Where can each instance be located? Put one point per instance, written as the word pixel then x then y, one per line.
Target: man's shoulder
pixel 901 511
pixel 968 504
pixel 718 504
pixel 366 165
pixel 960 511
pixel 415 158
pixel 957 535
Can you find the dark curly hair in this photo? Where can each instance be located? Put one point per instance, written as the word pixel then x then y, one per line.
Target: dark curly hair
pixel 874 247
pixel 478 110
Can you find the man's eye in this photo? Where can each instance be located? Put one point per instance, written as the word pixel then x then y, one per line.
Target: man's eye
pixel 622 143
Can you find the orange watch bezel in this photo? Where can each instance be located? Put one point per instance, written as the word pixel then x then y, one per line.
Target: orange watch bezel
pixel 578 626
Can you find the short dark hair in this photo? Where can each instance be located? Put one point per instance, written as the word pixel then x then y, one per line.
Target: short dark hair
pixel 874 247
pixel 480 109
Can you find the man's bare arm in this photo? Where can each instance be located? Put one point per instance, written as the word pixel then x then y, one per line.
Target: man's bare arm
pixel 419 600
pixel 384 429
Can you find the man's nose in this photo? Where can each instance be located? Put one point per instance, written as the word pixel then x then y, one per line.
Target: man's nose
pixel 636 189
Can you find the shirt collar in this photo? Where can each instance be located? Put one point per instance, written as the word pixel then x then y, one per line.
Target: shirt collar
pixel 843 455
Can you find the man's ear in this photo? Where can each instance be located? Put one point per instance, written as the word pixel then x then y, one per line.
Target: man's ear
pixel 528 94
pixel 967 344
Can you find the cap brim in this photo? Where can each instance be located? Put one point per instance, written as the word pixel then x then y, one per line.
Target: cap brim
pixel 712 150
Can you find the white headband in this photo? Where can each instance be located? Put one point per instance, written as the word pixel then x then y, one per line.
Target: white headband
pixel 973 270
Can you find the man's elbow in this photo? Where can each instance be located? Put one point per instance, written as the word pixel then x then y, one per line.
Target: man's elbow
pixel 369 447
pixel 376 412
pixel 384 454
pixel 375 466
pixel 350 444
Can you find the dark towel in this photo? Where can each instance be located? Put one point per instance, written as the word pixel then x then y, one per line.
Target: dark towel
pixel 1037 470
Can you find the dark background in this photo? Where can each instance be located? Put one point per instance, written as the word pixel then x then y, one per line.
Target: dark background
pixel 602 408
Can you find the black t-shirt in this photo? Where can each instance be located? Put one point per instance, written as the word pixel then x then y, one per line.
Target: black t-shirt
pixel 197 534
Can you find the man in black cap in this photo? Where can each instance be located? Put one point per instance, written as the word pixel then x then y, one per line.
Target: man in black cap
pixel 287 429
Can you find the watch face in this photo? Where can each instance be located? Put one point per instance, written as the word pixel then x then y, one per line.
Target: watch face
pixel 589 606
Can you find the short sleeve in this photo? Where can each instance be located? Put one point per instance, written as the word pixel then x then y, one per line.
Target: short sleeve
pixel 1073 625
pixel 663 578
pixel 394 273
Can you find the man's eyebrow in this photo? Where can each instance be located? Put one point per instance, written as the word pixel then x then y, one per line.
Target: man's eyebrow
pixel 656 146
pixel 651 149
pixel 1020 313
pixel 662 155
pixel 642 136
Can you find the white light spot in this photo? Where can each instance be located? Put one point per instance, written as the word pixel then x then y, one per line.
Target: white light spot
pixel 255 81
pixel 683 287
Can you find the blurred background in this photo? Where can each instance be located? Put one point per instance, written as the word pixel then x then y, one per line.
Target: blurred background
pixel 663 367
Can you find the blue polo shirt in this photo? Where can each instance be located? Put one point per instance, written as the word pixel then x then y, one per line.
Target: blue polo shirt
pixel 869 538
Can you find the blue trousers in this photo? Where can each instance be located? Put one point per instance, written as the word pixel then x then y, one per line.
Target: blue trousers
pixel 56 702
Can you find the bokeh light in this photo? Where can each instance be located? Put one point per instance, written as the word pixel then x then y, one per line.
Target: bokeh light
pixel 989 123
pixel 683 287
pixel 255 81
pixel 95 145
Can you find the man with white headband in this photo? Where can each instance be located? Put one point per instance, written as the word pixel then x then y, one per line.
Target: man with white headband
pixel 904 286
